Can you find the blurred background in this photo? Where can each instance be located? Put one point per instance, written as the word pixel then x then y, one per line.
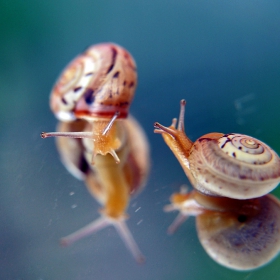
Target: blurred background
pixel 221 56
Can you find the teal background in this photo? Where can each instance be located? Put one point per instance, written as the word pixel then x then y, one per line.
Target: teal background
pixel 221 56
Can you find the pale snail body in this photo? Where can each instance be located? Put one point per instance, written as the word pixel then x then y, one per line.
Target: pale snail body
pixel 238 234
pixel 111 184
pixel 98 86
pixel 231 165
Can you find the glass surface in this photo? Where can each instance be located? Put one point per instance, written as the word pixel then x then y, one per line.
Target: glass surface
pixel 221 56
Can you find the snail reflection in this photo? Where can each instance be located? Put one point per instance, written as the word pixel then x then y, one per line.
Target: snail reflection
pixel 98 142
pixel 238 224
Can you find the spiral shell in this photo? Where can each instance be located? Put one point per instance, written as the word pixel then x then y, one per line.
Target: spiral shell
pixel 98 83
pixel 234 165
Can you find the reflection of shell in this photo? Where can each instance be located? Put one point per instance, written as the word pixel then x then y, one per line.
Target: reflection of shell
pixel 235 165
pixel 138 160
pixel 242 242
pixel 99 82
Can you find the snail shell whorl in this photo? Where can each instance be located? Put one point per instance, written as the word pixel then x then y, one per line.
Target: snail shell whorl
pixel 98 83
pixel 235 165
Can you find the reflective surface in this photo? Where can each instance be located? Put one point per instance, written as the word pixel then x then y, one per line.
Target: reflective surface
pixel 221 57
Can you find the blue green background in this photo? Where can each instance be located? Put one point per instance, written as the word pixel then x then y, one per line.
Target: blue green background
pixel 221 56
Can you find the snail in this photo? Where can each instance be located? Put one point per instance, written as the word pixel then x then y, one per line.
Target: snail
pixel 238 234
pixel 97 86
pixel 230 165
pixel 111 184
pixel 237 221
pixel 98 141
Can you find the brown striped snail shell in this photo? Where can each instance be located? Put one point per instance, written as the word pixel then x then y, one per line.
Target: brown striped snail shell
pixel 97 83
pixel 98 86
pixel 231 165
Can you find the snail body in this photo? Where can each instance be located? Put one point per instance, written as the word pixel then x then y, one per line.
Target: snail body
pixel 230 165
pixel 97 86
pixel 238 234
pixel 111 184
